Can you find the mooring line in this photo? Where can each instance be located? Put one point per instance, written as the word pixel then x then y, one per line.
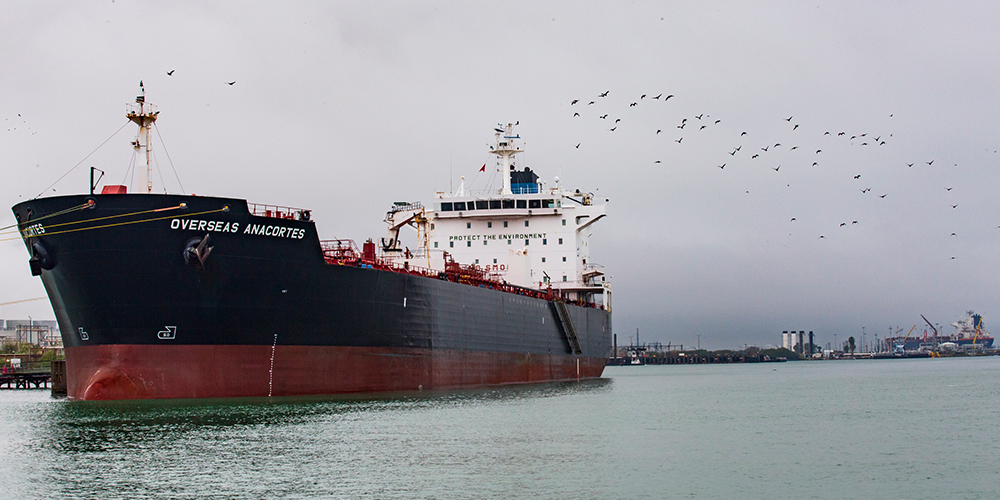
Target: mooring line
pixel 125 223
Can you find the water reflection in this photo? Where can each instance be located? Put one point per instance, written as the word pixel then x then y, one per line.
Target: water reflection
pixel 123 448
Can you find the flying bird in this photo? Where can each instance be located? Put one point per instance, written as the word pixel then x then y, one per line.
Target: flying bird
pixel 699 116
pixel 827 133
pixel 231 83
pixel 797 126
pixel 947 189
pixel 668 97
pixel 578 145
pixel 744 133
pixel 657 161
pixel 815 163
pixel 793 218
pixel 170 73
pixel 821 237
pixel 909 164
pixel 788 119
pixel 842 133
pixel 702 127
pixel 754 156
pixel 930 162
pixel 857 176
pixel 643 96
pixel 616 120
pixel 576 114
pixel 678 141
pixel 883 195
pixel 658 96
pixel 854 222
pixel 722 166
pixel 605 94
pixel 603 116
pixel 776 168
pixel 794 148
pixel 633 104
pixel 591 102
pixel 658 131
pixel 818 151
pixel 764 149
pixel 842 224
pixel 613 128
pixel 954 206
pixel 717 121
pixel 574 102
pixel 681 126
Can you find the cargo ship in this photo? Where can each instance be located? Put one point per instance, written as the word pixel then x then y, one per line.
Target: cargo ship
pixel 969 333
pixel 183 296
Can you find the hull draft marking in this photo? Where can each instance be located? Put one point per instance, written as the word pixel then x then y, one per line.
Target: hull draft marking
pixel 169 334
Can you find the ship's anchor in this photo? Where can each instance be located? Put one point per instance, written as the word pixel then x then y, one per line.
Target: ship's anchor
pixel 196 251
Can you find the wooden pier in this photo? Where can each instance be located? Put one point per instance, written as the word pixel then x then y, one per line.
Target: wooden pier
pixel 25 380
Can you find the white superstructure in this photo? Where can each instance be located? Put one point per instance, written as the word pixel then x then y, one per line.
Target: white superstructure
pixel 524 233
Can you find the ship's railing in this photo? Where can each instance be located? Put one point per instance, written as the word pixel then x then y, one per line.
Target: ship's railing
pixel 340 251
pixel 142 108
pixel 279 212
pixel 345 253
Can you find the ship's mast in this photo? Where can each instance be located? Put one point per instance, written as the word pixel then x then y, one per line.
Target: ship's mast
pixel 505 149
pixel 143 115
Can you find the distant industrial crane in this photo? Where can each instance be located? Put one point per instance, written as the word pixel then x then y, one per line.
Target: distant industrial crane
pixel 930 325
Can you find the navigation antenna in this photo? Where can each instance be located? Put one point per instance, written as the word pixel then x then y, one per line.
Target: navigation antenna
pixel 505 149
pixel 143 115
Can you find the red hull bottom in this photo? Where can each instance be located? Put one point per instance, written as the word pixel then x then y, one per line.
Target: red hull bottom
pixel 108 372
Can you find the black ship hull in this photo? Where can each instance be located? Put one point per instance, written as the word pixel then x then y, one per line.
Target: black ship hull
pixel 161 296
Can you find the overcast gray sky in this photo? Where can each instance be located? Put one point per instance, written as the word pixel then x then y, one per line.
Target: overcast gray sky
pixel 346 107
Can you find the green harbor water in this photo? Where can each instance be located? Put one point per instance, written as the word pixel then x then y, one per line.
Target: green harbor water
pixel 907 429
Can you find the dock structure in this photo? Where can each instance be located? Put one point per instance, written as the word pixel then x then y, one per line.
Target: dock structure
pixel 25 380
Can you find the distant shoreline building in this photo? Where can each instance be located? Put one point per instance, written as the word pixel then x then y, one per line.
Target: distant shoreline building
pixel 40 332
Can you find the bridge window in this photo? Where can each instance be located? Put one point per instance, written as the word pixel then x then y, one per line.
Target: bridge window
pixel 495 204
pixel 446 206
pixel 522 203
pixel 548 204
pixel 508 203
pixel 459 206
pixel 534 203
pixel 482 205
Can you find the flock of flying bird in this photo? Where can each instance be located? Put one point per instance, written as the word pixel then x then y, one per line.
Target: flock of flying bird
pixel 762 152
